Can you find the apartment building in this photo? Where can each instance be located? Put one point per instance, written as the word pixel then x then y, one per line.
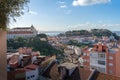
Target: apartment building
pixel 102 58
pixel 24 32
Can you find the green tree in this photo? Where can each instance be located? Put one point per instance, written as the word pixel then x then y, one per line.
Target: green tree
pixel 42 35
pixel 101 32
pixel 73 42
pixel 9 9
pixel 38 45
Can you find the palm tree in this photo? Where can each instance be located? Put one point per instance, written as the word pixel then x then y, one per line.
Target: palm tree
pixel 9 9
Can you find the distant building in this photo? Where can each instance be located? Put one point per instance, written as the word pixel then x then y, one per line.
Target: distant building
pixel 102 58
pixel 24 32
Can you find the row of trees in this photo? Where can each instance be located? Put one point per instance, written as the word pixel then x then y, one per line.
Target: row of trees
pixel 77 32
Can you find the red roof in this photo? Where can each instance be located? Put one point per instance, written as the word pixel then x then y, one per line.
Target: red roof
pixel 20 32
pixel 14 61
pixel 22 28
pixel 31 67
pixel 84 75
pixel 12 75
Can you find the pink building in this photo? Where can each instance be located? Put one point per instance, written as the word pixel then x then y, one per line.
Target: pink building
pixel 102 58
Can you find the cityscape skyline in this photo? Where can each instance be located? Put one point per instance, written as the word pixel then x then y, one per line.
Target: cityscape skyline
pixel 60 39
pixel 63 15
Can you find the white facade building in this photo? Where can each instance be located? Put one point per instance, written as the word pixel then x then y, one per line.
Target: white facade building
pixel 98 61
pixel 25 32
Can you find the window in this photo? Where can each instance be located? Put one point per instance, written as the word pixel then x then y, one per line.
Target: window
pixel 93 61
pixel 110 57
pixel 84 54
pixel 110 64
pixel 101 62
pixel 32 76
pixel 101 55
pixel 94 55
pixel 28 77
pixel 110 71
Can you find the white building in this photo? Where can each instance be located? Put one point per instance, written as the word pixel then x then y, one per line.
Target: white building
pixel 98 61
pixel 24 32
pixel 32 72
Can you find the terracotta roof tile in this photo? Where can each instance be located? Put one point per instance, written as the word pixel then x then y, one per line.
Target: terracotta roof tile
pixel 84 74
pixel 20 32
pixel 31 67
pixel 22 28
pixel 18 74
pixel 106 77
pixel 14 61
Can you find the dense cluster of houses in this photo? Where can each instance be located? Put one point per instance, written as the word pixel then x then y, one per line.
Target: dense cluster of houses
pixel 29 65
pixel 103 56
pixel 26 64
pixel 97 62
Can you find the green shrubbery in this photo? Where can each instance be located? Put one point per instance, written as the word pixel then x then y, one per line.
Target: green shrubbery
pixel 38 45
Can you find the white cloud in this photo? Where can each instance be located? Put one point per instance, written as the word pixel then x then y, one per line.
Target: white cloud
pixel 63 6
pixel 89 2
pixel 33 13
pixel 61 2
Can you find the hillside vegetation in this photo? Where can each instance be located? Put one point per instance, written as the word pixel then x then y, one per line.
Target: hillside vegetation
pixel 92 32
pixel 36 43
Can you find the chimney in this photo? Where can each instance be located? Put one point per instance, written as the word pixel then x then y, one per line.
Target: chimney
pixel 100 47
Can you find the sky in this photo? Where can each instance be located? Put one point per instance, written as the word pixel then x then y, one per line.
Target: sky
pixel 64 15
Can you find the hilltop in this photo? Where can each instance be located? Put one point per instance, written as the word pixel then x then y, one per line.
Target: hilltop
pixel 92 32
